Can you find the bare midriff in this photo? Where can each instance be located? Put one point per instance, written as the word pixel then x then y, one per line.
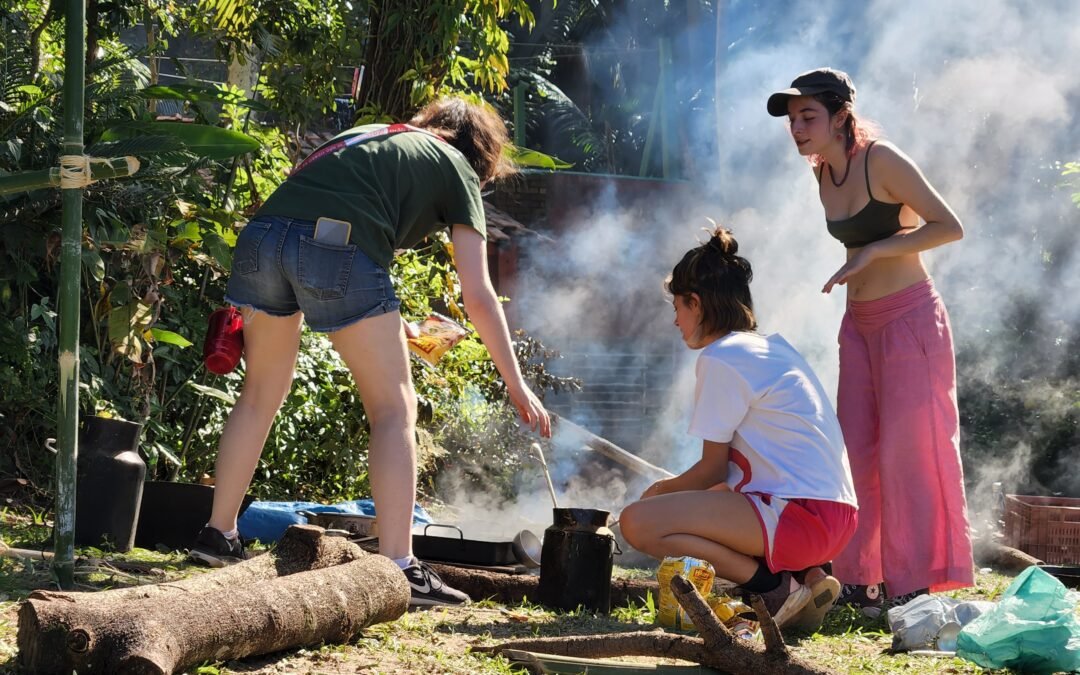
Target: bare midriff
pixel 885 276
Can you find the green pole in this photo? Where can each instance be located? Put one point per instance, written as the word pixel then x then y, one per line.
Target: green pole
pixel 70 261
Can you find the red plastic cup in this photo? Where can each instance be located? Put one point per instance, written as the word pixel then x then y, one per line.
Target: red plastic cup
pixel 224 343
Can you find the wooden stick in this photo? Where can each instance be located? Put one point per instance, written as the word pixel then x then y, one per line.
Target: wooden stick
pixel 774 641
pixel 715 633
pixel 610 450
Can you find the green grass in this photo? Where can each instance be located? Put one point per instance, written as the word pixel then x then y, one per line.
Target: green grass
pixel 439 640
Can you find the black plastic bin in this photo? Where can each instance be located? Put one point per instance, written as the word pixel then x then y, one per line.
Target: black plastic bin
pixel 173 513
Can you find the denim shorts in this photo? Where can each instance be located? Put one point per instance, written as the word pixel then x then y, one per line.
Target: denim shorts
pixel 279 268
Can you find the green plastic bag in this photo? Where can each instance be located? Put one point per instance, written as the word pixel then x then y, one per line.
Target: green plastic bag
pixel 1033 629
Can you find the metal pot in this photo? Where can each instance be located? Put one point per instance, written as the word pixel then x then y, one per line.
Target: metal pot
pixel 527 548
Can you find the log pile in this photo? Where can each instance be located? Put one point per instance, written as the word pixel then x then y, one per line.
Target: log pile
pixel 716 648
pixel 311 589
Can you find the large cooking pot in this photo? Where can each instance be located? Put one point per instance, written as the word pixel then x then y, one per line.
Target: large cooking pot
pixel 576 560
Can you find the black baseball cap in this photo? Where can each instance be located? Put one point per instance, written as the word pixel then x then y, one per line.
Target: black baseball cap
pixel 813 82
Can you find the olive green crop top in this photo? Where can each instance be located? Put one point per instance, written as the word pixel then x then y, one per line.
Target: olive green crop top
pixel 876 221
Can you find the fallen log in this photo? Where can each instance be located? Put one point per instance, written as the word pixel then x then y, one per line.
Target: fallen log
pixel 511 589
pixel 302 547
pixel 167 628
pixel 716 649
pixel 1004 558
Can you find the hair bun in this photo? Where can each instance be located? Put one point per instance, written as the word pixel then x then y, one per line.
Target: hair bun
pixel 723 240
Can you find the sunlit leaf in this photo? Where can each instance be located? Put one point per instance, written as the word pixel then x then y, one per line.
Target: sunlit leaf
pixel 169 337
pixel 212 392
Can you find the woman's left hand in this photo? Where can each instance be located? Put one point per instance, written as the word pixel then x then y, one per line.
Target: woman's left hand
pixel 856 264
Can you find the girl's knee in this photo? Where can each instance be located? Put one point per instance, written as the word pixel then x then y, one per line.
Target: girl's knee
pixel 632 527
pixel 385 416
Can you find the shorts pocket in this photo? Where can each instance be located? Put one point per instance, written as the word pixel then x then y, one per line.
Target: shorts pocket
pixel 246 253
pixel 323 269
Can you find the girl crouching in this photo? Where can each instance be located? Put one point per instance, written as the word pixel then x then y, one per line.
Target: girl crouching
pixel 772 493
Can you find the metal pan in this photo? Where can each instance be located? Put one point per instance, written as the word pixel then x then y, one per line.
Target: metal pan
pixel 461 550
pixel 357 525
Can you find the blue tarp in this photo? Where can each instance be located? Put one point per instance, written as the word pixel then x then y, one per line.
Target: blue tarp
pixel 267 521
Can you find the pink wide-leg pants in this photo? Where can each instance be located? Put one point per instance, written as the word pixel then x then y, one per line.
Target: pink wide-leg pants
pixel 897 408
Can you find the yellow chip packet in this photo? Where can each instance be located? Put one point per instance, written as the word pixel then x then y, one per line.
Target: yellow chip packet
pixel 437 335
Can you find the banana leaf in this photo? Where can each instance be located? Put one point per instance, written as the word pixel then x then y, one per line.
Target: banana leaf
pixel 199 139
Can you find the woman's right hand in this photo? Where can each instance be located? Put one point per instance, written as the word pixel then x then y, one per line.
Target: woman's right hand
pixel 662 486
pixel 531 410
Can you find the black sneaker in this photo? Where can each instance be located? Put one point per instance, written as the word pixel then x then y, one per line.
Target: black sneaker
pixel 867 599
pixel 428 589
pixel 211 547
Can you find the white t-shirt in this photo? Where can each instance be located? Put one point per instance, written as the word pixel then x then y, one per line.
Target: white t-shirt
pixel 759 395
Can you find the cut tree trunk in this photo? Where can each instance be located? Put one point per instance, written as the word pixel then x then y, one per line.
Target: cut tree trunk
pixel 717 648
pixel 311 589
pixel 303 547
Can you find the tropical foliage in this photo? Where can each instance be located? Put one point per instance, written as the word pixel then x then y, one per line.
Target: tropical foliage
pixel 156 248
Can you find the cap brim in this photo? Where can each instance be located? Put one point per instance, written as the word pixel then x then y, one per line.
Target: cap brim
pixel 777 104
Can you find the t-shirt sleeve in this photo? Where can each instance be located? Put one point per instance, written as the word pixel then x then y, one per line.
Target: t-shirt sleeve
pixel 722 398
pixel 463 204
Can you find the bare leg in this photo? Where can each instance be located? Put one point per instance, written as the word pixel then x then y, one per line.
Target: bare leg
pixel 375 351
pixel 270 346
pixel 718 526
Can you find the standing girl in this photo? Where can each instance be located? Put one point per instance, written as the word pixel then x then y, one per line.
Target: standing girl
pixel 772 493
pixel 897 392
pixel 318 251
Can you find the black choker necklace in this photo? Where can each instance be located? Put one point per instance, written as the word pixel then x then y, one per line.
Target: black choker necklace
pixel 846 170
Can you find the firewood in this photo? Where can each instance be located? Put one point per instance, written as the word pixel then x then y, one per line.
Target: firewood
pixel 511 589
pixel 1005 558
pixel 239 611
pixel 718 649
pixel 303 547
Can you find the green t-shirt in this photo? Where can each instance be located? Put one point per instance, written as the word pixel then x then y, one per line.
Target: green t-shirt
pixel 395 190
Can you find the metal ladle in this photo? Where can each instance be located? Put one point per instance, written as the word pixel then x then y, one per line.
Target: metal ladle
pixel 539 452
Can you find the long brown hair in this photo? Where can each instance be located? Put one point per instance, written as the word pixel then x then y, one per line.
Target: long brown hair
pixel 721 279
pixel 479 133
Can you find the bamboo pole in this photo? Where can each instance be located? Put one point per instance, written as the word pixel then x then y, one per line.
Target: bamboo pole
pixel 70 260
pixel 519 114
pixel 117 167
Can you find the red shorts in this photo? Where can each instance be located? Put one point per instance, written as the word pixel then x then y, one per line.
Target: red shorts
pixel 801 533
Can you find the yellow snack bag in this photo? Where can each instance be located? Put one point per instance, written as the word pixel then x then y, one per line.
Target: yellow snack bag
pixel 437 335
pixel 698 572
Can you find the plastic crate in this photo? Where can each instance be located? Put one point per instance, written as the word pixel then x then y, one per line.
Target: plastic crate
pixel 1045 527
